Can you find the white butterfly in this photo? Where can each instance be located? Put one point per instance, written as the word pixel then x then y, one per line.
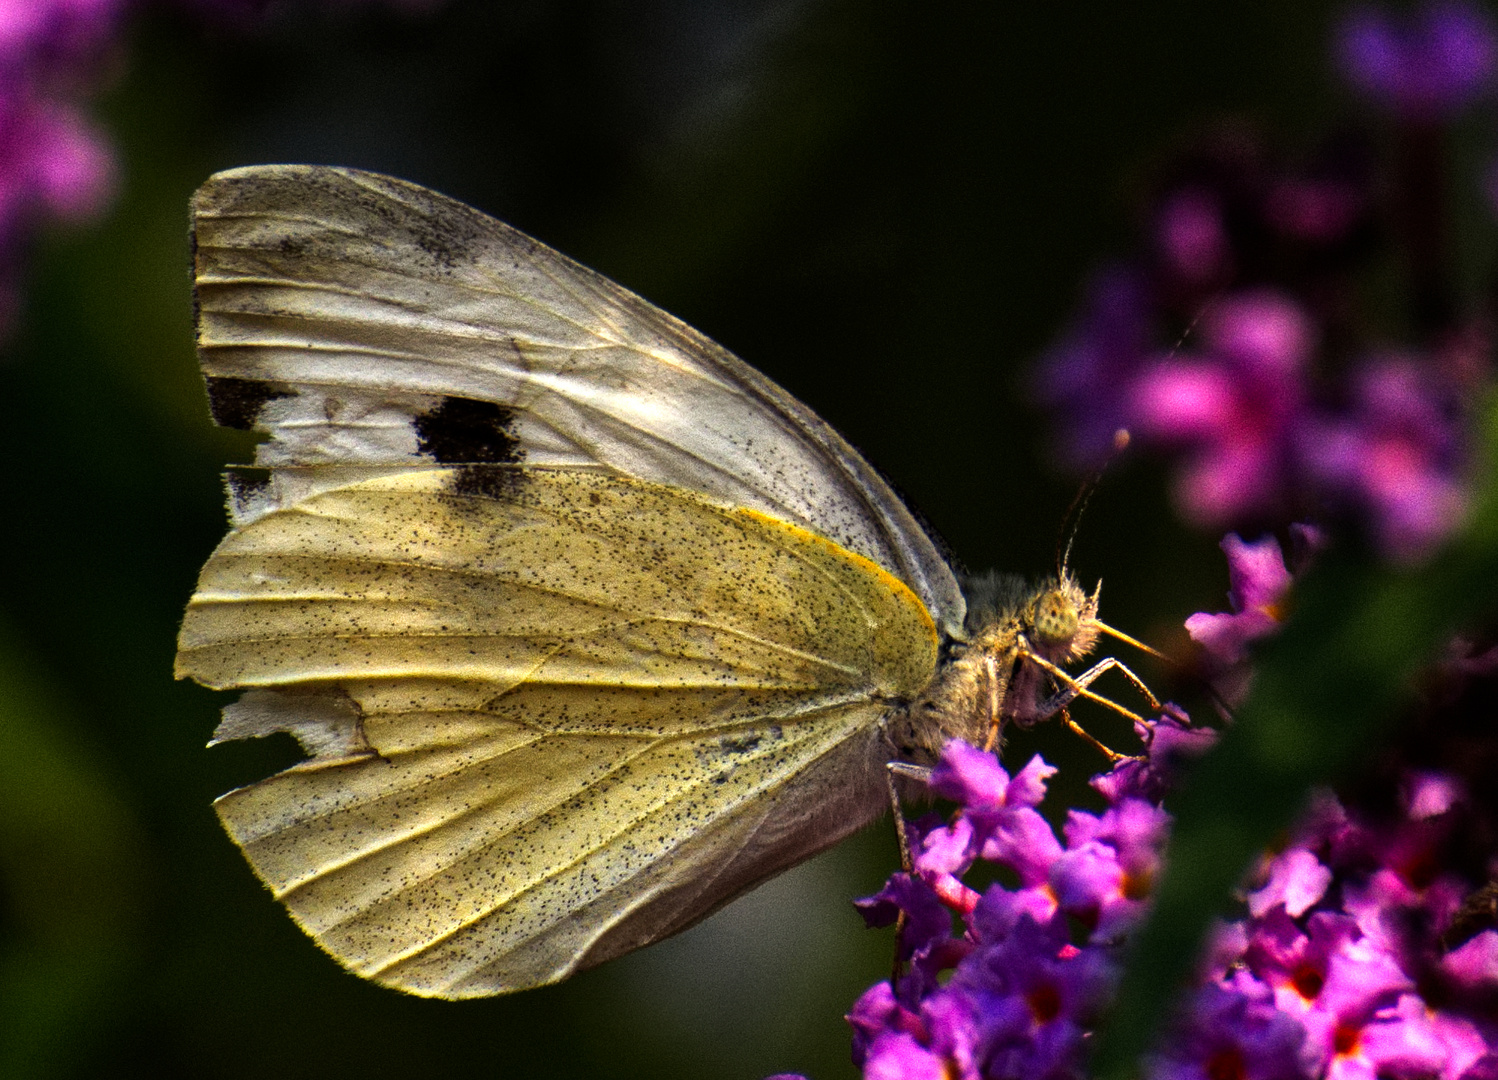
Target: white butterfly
pixel 587 626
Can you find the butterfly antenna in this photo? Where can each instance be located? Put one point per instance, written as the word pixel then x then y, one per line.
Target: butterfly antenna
pixel 1071 521
pixel 1191 326
pixel 1073 516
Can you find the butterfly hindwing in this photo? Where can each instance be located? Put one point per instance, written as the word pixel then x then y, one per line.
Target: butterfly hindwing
pixel 545 729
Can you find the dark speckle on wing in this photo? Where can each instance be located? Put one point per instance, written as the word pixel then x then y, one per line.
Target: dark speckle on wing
pixel 461 431
pixel 236 403
pixel 446 233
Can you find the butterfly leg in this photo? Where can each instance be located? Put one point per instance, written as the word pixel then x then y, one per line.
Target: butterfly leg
pixel 1078 686
pixel 990 684
pixel 1111 663
pixel 1087 736
pixel 996 685
pixel 1075 686
pixel 891 770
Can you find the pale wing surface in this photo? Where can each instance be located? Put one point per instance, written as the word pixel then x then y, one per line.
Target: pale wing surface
pixel 548 730
pixel 365 321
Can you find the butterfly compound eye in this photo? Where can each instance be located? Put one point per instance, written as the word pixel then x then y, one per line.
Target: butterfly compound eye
pixel 1055 621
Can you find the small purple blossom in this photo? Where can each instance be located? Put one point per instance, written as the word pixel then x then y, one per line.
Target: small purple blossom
pixel 1169 742
pixel 1258 584
pixel 1258 593
pixel 1427 64
pixel 1297 880
pixel 1475 965
pixel 1429 794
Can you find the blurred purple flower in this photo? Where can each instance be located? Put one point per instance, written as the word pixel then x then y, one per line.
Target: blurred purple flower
pixel 1397 455
pixel 1225 341
pixel 1191 237
pixel 1296 881
pixel 1474 965
pixel 1232 1034
pixel 1314 209
pixel 1231 407
pixel 1429 794
pixel 1251 442
pixel 1427 64
pixel 53 166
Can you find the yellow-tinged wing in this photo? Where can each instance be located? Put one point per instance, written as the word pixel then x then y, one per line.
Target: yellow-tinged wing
pixel 556 715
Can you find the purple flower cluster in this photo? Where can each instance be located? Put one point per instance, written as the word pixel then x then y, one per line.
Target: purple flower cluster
pixel 1014 991
pixel 1259 436
pixel 1236 341
pixel 1342 969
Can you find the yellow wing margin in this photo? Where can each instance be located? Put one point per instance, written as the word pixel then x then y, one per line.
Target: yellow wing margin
pixel 557 715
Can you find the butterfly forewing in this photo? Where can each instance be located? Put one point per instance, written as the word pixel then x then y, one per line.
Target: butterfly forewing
pixel 564 713
pixel 362 320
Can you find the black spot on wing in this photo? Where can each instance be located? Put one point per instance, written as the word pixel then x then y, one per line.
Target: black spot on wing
pixel 245 485
pixel 486 482
pixel 236 403
pixel 461 431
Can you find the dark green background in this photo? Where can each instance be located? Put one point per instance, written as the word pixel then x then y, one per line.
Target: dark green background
pixel 889 208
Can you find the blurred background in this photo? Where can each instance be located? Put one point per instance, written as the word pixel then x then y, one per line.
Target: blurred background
pixel 889 208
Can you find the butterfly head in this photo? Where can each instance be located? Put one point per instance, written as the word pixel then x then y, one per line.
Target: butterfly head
pixel 1056 616
pixel 1060 619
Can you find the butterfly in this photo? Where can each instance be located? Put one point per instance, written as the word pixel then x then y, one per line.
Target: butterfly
pixel 585 626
